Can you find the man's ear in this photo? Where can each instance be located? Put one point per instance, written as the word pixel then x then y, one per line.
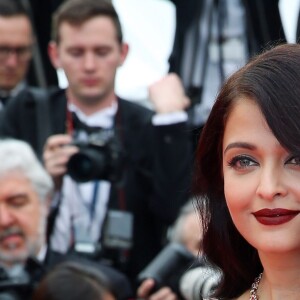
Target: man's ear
pixel 124 52
pixel 54 55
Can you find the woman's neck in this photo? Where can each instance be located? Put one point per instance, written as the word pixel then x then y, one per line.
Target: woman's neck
pixel 281 276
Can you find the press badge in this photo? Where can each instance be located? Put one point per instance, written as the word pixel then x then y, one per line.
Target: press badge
pixel 118 230
pixel 83 241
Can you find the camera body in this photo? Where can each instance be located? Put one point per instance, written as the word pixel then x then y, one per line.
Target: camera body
pixel 168 266
pixel 15 288
pixel 100 156
pixel 116 241
pixel 20 282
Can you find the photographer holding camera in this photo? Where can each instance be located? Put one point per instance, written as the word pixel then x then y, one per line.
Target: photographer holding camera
pixel 160 279
pixel 179 270
pixel 121 214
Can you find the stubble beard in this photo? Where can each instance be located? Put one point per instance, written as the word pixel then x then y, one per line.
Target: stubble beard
pixel 9 257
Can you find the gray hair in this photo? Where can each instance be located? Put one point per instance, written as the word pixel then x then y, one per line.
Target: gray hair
pixel 16 155
pixel 176 233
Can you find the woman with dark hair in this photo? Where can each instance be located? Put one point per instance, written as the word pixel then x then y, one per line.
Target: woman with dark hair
pixel 76 281
pixel 248 171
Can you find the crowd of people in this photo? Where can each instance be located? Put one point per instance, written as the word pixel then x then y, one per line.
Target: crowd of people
pixel 122 208
pixel 94 188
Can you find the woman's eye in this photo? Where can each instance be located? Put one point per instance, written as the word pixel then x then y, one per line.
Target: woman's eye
pixel 294 160
pixel 242 162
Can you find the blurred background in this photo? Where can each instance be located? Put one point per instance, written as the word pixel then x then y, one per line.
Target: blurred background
pixel 202 40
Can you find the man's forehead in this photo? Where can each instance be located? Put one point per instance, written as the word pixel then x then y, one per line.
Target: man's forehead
pixel 100 26
pixel 15 30
pixel 14 183
pixel 16 20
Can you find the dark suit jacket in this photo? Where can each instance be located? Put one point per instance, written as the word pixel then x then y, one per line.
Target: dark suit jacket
pixel 157 167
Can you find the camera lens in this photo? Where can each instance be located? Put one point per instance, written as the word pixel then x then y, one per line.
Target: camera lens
pixel 87 165
pixel 174 258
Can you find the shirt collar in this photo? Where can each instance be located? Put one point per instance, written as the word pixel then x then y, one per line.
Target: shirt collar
pixel 42 253
pixel 16 90
pixel 103 118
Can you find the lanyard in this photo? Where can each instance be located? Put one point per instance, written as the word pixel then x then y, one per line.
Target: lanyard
pixel 92 206
pixel 94 201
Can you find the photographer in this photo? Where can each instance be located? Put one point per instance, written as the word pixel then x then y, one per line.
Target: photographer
pixel 160 279
pixel 121 221
pixel 179 271
pixel 25 191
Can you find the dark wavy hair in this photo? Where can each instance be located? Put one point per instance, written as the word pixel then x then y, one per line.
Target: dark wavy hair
pixel 272 80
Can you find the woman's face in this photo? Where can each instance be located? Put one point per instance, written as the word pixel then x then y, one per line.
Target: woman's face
pixel 261 181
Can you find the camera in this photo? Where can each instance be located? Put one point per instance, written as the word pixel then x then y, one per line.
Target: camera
pixel 19 282
pixel 115 244
pixel 168 266
pixel 199 283
pixel 99 157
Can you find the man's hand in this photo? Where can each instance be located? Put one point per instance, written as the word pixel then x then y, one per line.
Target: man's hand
pixel 167 95
pixel 144 290
pixel 57 152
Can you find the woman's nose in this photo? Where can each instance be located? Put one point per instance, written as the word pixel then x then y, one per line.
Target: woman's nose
pixel 271 184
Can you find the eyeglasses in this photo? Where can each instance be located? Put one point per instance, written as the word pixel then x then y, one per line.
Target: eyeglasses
pixel 22 53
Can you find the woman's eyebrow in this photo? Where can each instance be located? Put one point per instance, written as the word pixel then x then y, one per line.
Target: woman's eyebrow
pixel 239 145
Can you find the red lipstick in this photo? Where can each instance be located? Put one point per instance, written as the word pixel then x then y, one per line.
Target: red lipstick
pixel 275 216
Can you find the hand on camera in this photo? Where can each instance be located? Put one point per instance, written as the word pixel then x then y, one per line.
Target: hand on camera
pixel 164 293
pixel 57 152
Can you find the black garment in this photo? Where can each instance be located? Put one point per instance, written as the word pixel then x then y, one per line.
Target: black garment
pixel 264 26
pixel 187 14
pixel 298 29
pixel 41 13
pixel 157 170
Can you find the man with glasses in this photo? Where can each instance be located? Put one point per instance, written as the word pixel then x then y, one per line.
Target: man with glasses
pixel 16 39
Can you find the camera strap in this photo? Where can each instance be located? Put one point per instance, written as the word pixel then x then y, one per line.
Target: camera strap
pixel 94 200
pixel 91 207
